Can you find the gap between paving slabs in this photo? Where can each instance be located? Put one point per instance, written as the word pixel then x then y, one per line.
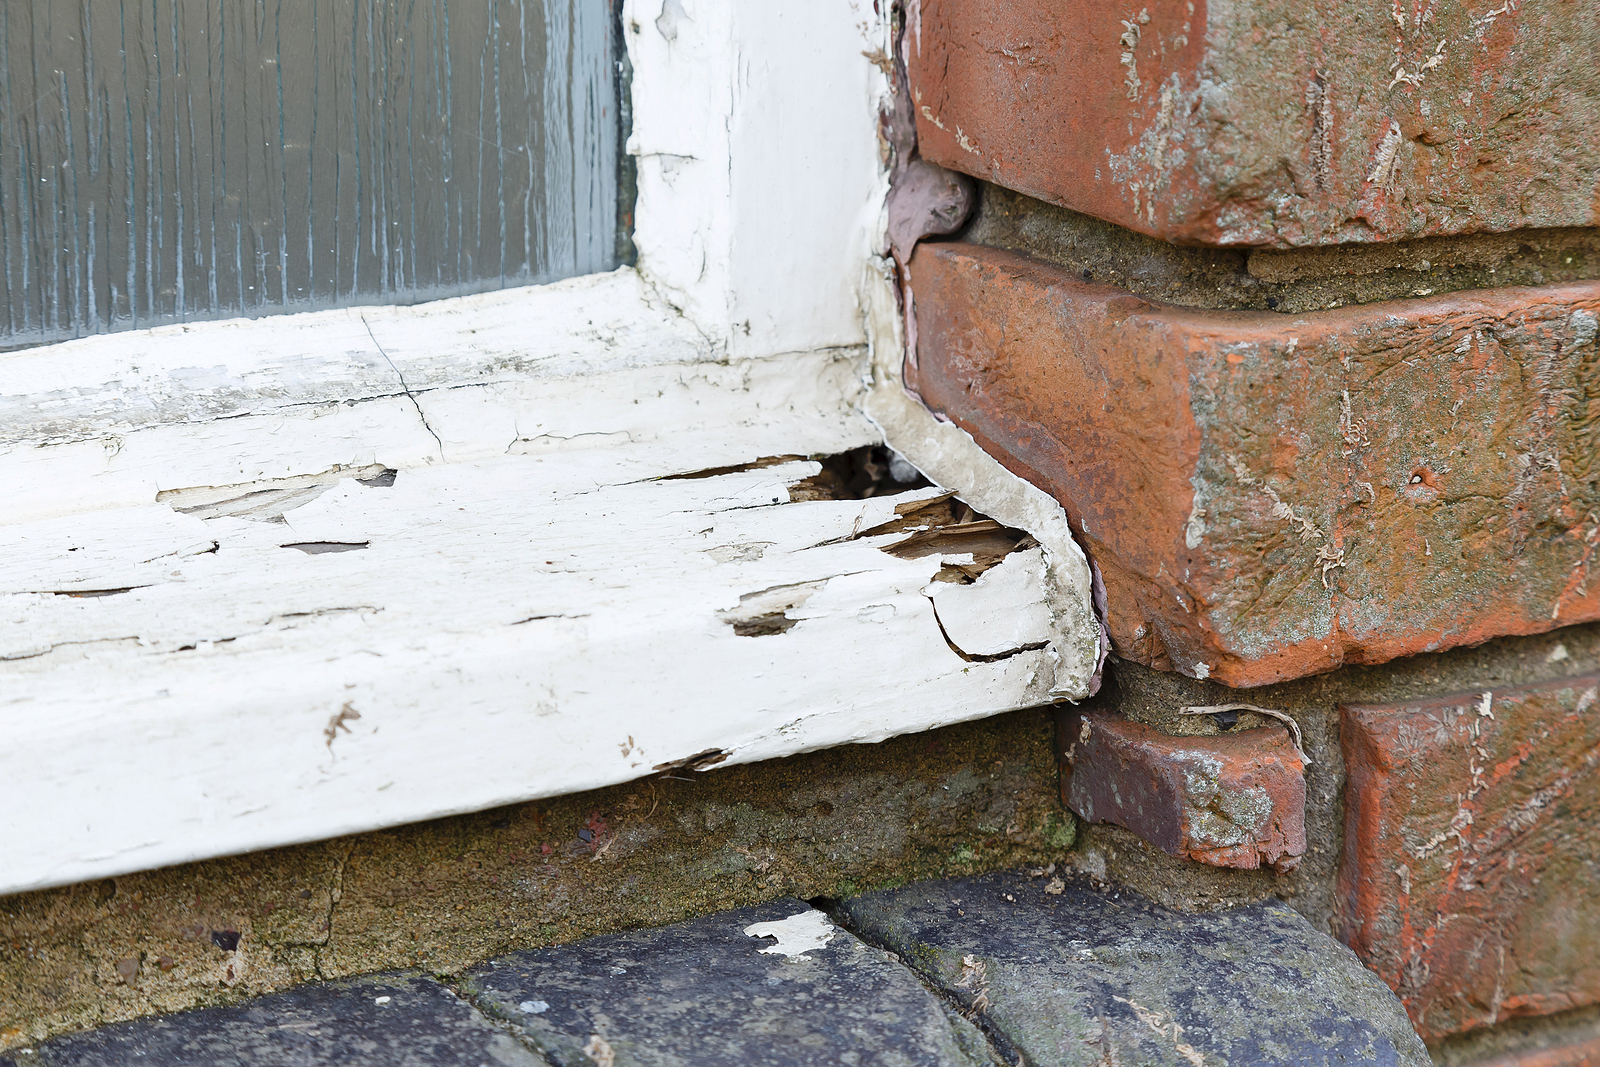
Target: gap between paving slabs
pixel 972 1008
pixel 775 985
pixel 1013 967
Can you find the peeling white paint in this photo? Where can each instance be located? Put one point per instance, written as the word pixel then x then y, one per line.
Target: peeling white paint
pixel 948 455
pixel 999 613
pixel 800 933
pixel 528 609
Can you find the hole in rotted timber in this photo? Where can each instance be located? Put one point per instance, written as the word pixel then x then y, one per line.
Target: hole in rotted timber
pixel 943 525
pixel 872 470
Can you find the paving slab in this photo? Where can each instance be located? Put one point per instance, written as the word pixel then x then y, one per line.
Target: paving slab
pixel 383 1021
pixel 793 990
pixel 1067 974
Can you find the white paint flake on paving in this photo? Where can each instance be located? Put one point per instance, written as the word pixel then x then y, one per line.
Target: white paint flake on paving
pixel 800 933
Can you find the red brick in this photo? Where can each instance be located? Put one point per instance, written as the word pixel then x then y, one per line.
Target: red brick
pixel 1269 496
pixel 1230 800
pixel 1470 880
pixel 1263 122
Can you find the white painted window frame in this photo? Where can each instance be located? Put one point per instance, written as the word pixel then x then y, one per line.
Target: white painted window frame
pixel 536 612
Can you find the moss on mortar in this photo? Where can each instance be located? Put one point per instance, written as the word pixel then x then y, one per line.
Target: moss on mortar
pixel 444 895
pixel 1290 282
pixel 1155 697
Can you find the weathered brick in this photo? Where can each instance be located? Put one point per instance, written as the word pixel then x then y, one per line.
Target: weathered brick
pixel 1578 1054
pixel 1268 496
pixel 1270 122
pixel 1470 880
pixel 1230 800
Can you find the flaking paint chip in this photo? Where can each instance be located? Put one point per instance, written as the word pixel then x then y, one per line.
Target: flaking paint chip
pixel 798 934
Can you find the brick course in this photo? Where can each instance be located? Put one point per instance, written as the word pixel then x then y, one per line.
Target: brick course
pixel 1266 122
pixel 1471 851
pixel 1580 1054
pixel 1230 800
pixel 1269 496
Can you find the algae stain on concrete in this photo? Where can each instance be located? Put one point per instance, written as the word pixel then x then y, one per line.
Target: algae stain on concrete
pixel 445 895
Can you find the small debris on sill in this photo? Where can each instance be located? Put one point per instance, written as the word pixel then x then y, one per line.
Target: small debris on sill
pixel 346 714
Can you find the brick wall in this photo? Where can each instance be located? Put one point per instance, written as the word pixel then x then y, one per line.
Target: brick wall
pixel 1295 312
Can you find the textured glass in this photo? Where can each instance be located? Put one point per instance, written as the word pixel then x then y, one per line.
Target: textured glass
pixel 170 160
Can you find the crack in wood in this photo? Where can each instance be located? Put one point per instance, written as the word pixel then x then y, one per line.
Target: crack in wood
pixel 969 657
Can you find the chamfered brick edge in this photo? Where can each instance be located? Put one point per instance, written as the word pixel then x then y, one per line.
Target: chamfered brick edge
pixel 1270 496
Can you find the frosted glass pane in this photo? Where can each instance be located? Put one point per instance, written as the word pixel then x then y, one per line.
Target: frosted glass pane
pixel 170 160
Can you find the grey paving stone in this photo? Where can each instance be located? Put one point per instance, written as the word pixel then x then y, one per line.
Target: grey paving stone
pixel 704 993
pixel 421 1024
pixel 1087 977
